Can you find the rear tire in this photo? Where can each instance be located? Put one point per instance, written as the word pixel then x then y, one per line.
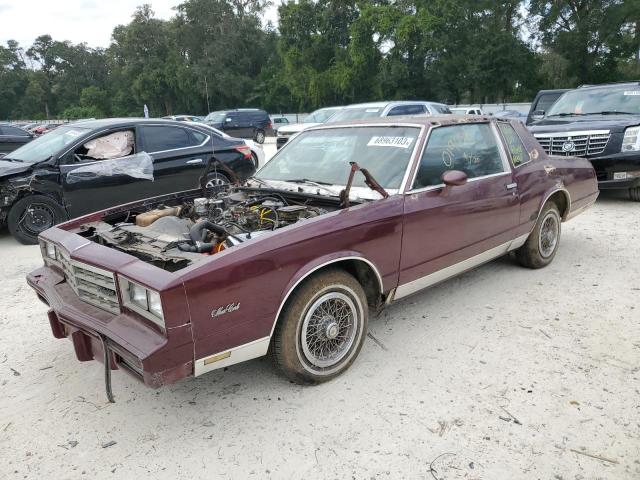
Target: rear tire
pixel 31 216
pixel 259 136
pixel 541 246
pixel 322 328
pixel 634 194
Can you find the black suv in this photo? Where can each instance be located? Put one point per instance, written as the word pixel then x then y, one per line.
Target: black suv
pixel 89 166
pixel 601 123
pixel 242 123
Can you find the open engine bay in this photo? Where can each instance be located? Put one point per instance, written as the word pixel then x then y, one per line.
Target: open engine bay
pixel 182 231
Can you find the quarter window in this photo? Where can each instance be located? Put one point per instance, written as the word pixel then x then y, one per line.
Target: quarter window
pixel 159 137
pixel 519 154
pixel 470 148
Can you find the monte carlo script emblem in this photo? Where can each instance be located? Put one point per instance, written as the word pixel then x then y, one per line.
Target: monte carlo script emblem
pixel 232 307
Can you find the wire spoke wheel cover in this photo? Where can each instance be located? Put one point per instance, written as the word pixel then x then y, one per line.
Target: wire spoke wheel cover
pixel 548 236
pixel 329 329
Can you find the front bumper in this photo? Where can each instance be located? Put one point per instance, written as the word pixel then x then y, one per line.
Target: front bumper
pixel 607 166
pixel 120 341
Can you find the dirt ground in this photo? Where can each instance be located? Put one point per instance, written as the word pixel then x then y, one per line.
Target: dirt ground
pixel 502 373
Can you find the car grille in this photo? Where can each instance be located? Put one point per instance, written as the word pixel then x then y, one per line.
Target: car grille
pixel 580 144
pixel 92 285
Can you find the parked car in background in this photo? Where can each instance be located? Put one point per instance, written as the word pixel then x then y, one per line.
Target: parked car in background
pixel 242 122
pixel 43 128
pixel 542 103
pixel 184 118
pixel 340 223
pixel 362 111
pixel 317 117
pixel 12 137
pixel 257 153
pixel 278 122
pixel 511 114
pixel 89 166
pixel 466 110
pixel 600 123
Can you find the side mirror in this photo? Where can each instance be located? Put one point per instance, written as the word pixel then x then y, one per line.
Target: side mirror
pixel 537 115
pixel 454 178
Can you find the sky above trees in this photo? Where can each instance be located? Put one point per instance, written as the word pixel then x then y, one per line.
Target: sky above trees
pixel 216 54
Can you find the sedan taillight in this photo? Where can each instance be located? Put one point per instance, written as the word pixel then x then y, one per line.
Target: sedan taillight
pixel 244 150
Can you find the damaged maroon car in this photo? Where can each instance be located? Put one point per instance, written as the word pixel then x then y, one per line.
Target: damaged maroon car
pixel 342 221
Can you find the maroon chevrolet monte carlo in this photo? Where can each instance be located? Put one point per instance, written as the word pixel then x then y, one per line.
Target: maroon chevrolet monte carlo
pixel 345 219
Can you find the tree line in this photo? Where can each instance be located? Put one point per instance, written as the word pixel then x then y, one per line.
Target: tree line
pixel 215 54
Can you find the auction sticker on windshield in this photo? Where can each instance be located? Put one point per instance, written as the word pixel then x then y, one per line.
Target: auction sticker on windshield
pixel 73 133
pixel 401 142
pixel 632 93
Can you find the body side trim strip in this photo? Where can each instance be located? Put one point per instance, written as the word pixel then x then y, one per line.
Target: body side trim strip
pixel 458 268
pixel 241 353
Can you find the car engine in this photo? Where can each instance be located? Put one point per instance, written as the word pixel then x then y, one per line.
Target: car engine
pixel 173 236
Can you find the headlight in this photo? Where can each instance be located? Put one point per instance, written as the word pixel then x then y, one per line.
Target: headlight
pixel 142 300
pixel 631 140
pixel 48 249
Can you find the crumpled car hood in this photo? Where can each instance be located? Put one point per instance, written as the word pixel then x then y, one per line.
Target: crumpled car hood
pixel 11 168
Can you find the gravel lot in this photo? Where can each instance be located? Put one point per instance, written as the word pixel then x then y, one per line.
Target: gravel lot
pixel 501 373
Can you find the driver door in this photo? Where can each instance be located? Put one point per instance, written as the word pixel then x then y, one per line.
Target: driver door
pixel 450 229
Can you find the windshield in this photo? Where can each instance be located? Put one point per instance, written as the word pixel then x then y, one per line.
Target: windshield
pixel 356 114
pixel 42 148
pixel 215 117
pixel 320 116
pixel 323 156
pixel 622 99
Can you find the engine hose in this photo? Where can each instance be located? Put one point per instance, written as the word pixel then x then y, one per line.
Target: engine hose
pixel 199 247
pixel 198 233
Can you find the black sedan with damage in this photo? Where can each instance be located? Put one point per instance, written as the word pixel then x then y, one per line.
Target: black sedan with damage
pixel 88 166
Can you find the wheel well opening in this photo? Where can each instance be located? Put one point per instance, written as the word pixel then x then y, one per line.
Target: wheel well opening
pixel 366 276
pixel 560 199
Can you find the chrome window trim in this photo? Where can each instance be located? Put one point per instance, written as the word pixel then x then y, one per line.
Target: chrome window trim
pixel 134 128
pixel 507 167
pixel 519 138
pixel 411 161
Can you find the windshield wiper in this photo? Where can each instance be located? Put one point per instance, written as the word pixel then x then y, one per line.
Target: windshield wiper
pixel 259 180
pixel 306 181
pixel 565 114
pixel 611 112
pixel 8 159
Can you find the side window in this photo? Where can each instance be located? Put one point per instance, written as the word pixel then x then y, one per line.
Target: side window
pixel 519 154
pixel 545 101
pixel 160 137
pixel 105 147
pixel 198 137
pixel 406 110
pixel 470 148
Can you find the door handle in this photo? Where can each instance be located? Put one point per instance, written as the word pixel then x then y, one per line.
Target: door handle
pixel 511 186
pixel 195 160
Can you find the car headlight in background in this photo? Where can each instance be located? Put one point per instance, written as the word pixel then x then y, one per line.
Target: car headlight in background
pixel 142 300
pixel 631 140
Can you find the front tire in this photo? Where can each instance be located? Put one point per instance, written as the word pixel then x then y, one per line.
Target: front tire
pixel 634 194
pixel 31 216
pixel 322 328
pixel 541 246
